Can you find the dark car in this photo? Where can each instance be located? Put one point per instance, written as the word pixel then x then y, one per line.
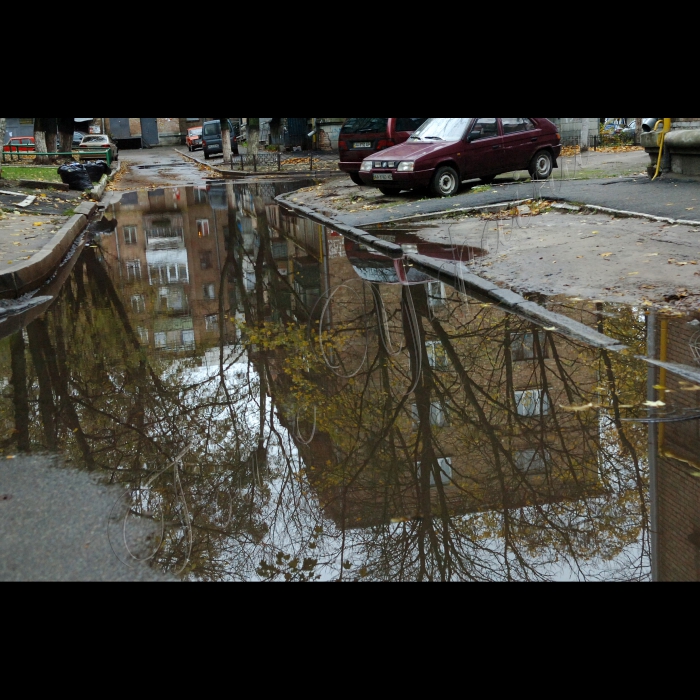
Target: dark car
pixel 212 141
pixel 363 136
pixel 78 137
pixel 445 151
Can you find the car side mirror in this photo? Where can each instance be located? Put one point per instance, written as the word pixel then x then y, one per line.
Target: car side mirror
pixel 474 136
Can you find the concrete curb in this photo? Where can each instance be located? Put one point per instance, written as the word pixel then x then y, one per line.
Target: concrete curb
pixel 621 213
pixel 462 277
pixel 98 191
pixel 28 275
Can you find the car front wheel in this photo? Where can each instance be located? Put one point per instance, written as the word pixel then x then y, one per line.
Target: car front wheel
pixel 357 179
pixel 541 166
pixel 446 182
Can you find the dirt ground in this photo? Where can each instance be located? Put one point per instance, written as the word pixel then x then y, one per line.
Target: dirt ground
pixel 580 255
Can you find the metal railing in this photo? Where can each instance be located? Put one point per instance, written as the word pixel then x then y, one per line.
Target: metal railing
pixel 18 153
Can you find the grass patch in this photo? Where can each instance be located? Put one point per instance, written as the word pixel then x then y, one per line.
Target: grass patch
pixel 19 172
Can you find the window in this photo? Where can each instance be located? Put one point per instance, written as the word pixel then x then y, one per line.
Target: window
pixel 130 235
pixel 200 194
pixel 212 322
pixel 530 462
pixel 522 346
pixel 202 227
pixel 143 335
pixel 515 125
pixel 409 123
pixel 445 467
pixel 209 292
pixel 485 128
pixel 205 260
pixel 437 357
pixel 168 274
pixel 532 403
pixel 138 304
pixel 436 294
pixel 161 340
pixel 438 415
pixel 133 270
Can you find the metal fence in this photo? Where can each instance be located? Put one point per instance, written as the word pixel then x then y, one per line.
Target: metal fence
pixel 16 154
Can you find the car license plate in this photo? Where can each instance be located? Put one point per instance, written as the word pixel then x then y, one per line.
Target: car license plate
pixel 363 144
pixel 383 176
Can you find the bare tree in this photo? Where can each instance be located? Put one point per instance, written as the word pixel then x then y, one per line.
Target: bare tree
pixel 638 133
pixel 226 138
pixel 40 129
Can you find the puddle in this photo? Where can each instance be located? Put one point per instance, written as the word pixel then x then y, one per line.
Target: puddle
pixel 288 405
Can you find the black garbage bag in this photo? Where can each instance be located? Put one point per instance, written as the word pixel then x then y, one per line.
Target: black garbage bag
pixel 76 176
pixel 96 169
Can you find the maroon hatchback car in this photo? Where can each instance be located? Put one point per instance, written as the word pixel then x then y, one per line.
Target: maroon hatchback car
pixel 363 136
pixel 445 151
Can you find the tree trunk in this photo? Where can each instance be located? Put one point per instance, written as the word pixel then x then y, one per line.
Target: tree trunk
pixel 51 137
pixel 226 139
pixel 253 135
pixel 65 128
pixel 3 130
pixel 20 395
pixel 40 139
pixel 639 131
pixel 585 124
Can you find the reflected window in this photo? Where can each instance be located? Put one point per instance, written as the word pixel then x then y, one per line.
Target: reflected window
pixel 446 472
pixel 168 274
pixel 205 260
pixel 437 356
pixel 161 340
pixel 438 415
pixel 130 235
pixel 532 403
pixel 200 195
pixel 437 294
pixel 133 270
pixel 202 227
pixel 143 335
pixel 522 346
pixel 212 322
pixel 188 340
pixel 138 304
pixel 209 292
pixel 530 462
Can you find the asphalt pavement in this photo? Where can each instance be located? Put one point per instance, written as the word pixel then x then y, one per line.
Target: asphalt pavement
pixel 59 524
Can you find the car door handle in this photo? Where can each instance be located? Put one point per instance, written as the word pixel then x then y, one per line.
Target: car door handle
pixel 495 148
pixel 535 139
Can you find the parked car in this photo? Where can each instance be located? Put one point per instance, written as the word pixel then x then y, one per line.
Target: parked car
pixel 362 136
pixel 212 141
pixel 445 151
pixel 78 137
pixel 95 142
pixel 20 144
pixel 194 138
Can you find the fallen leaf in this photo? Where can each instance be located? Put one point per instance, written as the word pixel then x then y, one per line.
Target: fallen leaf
pixel 552 329
pixel 633 274
pixel 606 255
pixel 654 404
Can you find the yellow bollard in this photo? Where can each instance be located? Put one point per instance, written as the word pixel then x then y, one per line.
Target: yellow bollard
pixel 662 141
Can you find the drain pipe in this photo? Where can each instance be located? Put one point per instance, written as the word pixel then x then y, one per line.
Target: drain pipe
pixel 662 141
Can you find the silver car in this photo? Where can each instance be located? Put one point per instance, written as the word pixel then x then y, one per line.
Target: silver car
pixel 96 142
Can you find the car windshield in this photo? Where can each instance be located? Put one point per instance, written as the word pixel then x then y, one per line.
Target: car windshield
pixel 212 130
pixel 196 132
pixel 442 129
pixel 365 125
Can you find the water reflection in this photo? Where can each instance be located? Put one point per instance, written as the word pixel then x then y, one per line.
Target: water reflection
pixel 287 405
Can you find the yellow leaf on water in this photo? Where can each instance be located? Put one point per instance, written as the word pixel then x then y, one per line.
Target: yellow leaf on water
pixel 654 404
pixel 633 274
pixel 578 409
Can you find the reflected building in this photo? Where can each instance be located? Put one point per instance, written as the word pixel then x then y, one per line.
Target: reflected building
pixel 675 450
pixel 166 255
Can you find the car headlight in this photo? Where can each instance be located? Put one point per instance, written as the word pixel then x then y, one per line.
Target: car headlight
pixel 366 166
pixel 407 166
